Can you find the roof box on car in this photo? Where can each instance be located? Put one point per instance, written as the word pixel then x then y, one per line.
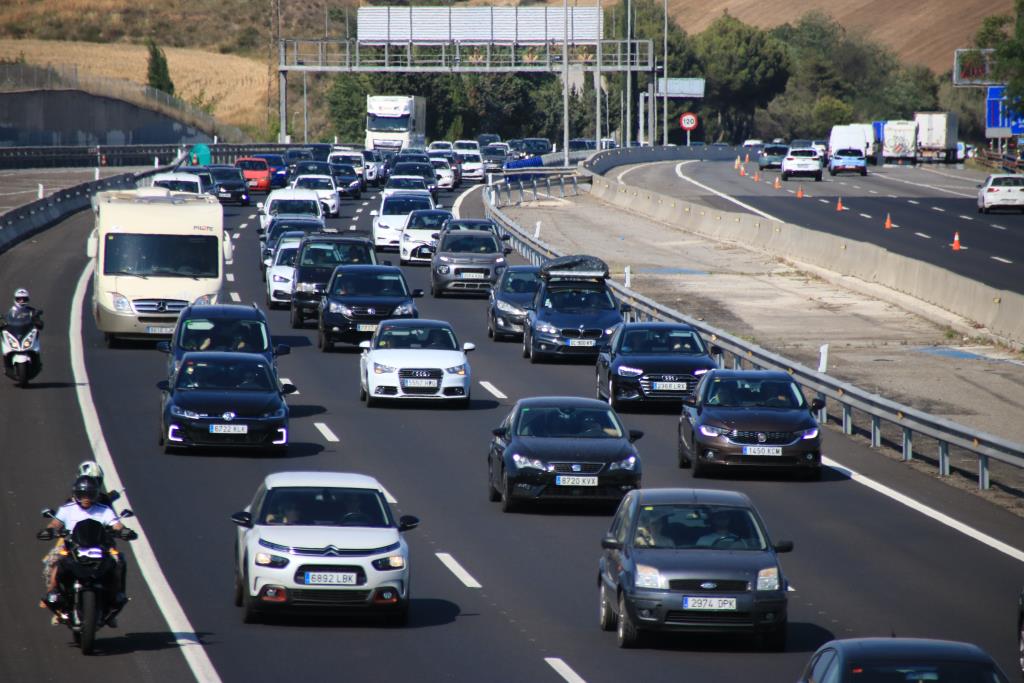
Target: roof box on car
pixel 575 267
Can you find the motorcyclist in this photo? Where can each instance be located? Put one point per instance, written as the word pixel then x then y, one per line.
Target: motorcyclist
pixel 22 310
pixel 91 468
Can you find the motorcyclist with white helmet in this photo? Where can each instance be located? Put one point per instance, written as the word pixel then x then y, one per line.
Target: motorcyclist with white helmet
pixel 22 309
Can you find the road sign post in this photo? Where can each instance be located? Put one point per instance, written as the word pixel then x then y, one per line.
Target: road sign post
pixel 688 122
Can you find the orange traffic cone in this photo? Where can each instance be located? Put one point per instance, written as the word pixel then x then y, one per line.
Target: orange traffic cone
pixel 746 159
pixel 888 222
pixel 736 164
pixel 777 184
pixel 839 204
pixel 956 241
pixel 800 192
pixel 757 177
pixel 743 172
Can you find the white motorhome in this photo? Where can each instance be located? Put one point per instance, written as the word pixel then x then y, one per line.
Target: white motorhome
pixel 900 143
pixel 154 252
pixel 395 122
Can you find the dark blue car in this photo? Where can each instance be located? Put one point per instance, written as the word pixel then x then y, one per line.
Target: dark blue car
pixel 357 298
pixel 506 309
pixel 278 169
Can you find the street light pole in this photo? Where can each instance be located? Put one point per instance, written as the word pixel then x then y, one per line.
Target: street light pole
pixel 597 81
pixel 664 75
pixel 305 111
pixel 565 81
pixel 628 133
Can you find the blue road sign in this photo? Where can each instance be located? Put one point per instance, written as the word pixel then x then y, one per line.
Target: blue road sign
pixel 997 119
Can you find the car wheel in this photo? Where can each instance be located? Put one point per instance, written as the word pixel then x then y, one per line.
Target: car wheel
pixel 863 173
pixel 526 346
pixel 597 386
pixel 296 318
pixel 400 617
pixel 490 328
pixel 493 494
pixel 362 393
pixel 238 589
pixel 628 635
pixel 979 210
pixel 1020 646
pixel 682 457
pixel 436 291
pixel 507 502
pixel 606 617
pixel 985 209
pixel 535 357
pixel 817 178
pixel 785 177
pixel 699 470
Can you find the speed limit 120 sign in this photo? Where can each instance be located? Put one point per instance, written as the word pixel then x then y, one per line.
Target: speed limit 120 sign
pixel 688 121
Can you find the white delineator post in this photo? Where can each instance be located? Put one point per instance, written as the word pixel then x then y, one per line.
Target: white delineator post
pixel 627 277
pixel 536 231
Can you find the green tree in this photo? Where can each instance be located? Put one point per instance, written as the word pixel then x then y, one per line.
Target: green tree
pixel 1009 59
pixel 158 76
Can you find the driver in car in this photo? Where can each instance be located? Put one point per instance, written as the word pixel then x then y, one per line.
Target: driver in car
pixel 721 532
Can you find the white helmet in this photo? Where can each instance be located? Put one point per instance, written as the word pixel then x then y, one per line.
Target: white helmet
pixel 90 468
pixel 21 296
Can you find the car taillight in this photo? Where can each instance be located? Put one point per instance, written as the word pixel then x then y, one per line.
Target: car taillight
pixel 790 158
pixel 993 189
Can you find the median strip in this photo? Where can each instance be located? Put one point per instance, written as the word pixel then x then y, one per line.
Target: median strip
pixel 455 568
pixel 564 670
pixel 493 389
pixel 326 432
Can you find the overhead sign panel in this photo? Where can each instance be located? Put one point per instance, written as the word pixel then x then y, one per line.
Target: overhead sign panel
pixel 478 24
pixel 973 67
pixel 999 122
pixel 681 87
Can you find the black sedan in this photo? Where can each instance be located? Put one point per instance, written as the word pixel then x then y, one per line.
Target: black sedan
pixel 357 299
pixel 900 659
pixel 691 560
pixel 229 184
pixel 224 400
pixel 506 308
pixel 652 362
pixel 347 180
pixel 749 418
pixel 561 449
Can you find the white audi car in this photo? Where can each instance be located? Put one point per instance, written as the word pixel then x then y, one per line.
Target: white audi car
pixel 321 541
pixel 281 272
pixel 325 189
pixel 415 359
pixel 394 211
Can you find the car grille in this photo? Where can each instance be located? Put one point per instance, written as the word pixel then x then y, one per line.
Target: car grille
pixel 770 438
pixel 420 373
pixel 571 333
pixel 159 305
pixel 713 618
pixel 378 312
pixel 308 597
pixel 583 467
pixel 646 382
pixel 722 585
pixel 300 573
pixel 331 551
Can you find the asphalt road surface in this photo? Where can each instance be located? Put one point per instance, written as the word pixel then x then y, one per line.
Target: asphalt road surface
pixel 864 564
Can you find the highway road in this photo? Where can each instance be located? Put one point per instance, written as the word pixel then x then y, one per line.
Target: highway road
pixel 927 204
pixel 865 563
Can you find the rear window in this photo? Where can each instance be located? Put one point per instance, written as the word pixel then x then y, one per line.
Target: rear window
pixel 252 165
pixel 775 150
pixel 178 185
pixel 1008 182
pixel 395 206
pixel 807 153
pixel 850 153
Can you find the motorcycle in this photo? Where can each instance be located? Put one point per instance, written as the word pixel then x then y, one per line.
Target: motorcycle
pixel 86 567
pixel 19 346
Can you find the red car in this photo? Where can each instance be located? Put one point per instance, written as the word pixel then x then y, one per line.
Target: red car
pixel 257 173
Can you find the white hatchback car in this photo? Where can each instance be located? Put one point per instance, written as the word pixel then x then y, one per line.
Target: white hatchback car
pixel 415 359
pixel 324 541
pixel 445 174
pixel 472 166
pixel 802 162
pixel 1001 191
pixel 419 235
pixel 281 272
pixel 389 220
pixel 325 189
pixel 291 201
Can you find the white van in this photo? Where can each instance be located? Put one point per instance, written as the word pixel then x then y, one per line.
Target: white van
pixel 847 137
pixel 291 201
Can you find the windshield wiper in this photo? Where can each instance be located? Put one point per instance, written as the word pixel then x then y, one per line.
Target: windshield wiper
pixel 127 272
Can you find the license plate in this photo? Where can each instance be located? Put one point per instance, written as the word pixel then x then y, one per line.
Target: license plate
pixel 366 328
pixel 762 450
pixel 709 603
pixel 253 183
pixel 330 579
pixel 159 330
pixel 229 429
pixel 471 276
pixel 669 386
pixel 581 342
pixel 563 480
pixel 223 194
pixel 419 382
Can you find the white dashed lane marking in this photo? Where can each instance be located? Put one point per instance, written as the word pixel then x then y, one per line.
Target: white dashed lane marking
pixel 326 432
pixel 913 202
pixel 823 201
pixel 998 227
pixel 359 210
pixel 921 234
pixel 455 568
pixel 493 389
pixel 564 670
pixel 243 226
pixel 251 216
pixel 235 297
pixel 230 277
pixel 864 215
pixel 935 208
pixel 966 218
pixel 1001 259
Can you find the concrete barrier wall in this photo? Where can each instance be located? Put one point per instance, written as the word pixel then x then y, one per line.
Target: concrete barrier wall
pixel 1001 311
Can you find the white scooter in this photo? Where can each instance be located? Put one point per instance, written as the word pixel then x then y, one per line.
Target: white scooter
pixel 19 345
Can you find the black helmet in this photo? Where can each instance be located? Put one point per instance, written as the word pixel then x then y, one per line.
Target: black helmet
pixel 85 487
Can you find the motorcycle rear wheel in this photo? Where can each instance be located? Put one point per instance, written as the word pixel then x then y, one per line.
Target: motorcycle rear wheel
pixel 88 612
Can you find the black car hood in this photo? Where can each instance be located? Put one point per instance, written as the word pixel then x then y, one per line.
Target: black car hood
pixel 707 563
pixel 666 362
pixel 572 450
pixel 515 298
pixel 315 274
pixel 382 302
pixel 242 403
pixel 589 319
pixel 758 419
pixel 346 179
pixel 231 184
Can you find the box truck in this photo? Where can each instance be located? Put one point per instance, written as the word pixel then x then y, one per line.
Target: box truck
pixel 395 122
pixel 936 136
pixel 900 142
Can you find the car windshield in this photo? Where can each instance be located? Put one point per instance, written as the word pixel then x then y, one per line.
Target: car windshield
pixel 471 158
pixel 661 341
pixel 775 150
pixel 440 164
pixel 252 164
pixel 400 206
pixel 730 392
pixel 411 337
pixel 342 169
pixel 520 282
pixel 226 173
pixel 1008 182
pixel 578 299
pixel 324 506
pixel 690 527
pixel 432 220
pixel 353 283
pixel 286 226
pixel 470 224
pixel 147 255
pixel 926 672
pixel 568 423
pixel 331 254
pixel 850 153
pixel 407 184
pixel 219 334
pixel 537 146
pixel 178 185
pixel 470 244
pixel 286 256
pixel 314 184
pixel 222 375
pixel 298 206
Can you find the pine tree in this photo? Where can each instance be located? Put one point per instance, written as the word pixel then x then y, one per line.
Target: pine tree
pixel 158 75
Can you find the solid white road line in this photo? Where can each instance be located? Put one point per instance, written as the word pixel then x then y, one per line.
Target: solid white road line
pixel 493 389
pixel 387 496
pixel 285 380
pixel 921 234
pixel 1001 259
pixel 177 622
pixel 326 432
pixel 230 277
pixel 864 215
pixel 365 203
pixel 455 568
pixel 457 204
pixel 623 174
pixel 913 202
pixel 998 227
pixel 940 517
pixel 748 207
pixel 235 297
pixel 564 670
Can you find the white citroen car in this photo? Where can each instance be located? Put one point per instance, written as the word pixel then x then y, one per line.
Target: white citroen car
pixel 419 235
pixel 394 210
pixel 281 272
pixel 415 359
pixel 324 541
pixel 325 189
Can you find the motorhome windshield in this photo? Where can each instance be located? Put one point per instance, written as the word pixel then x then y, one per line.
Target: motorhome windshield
pixel 194 256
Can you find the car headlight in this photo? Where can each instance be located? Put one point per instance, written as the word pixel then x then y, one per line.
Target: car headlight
pixel 609 330
pixel 708 430
pixel 811 433
pixel 390 562
pixel 523 462
pixel 443 270
pixel 205 300
pixel 121 303
pixel 275 414
pixel 29 339
pixel 268 560
pixel 335 307
pixel 547 328
pixel 443 259
pixel 281 278
pixel 506 307
pixel 500 260
pixel 308 287
pixel 624 464
pixel 381 369
pixel 181 412
pixel 627 371
pixel 700 371
pixel 768 579
pixel 457 370
pixel 405 308
pixel 649 577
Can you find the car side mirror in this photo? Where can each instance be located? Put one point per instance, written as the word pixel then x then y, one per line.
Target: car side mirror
pixel 783 547
pixel 817 404
pixel 387 262
pixel 374 213
pixel 259 206
pixel 288 389
pixel 468 346
pixel 163 346
pixel 113 495
pixel 242 519
pixel 125 514
pixel 408 522
pixel 282 350
pixel 610 543
pixel 163 385
pixel 507 251
pixel 499 431
pixel 417 293
pixel 528 306
pixel 625 308
pixel 268 262
pixel 635 435
pixel 365 344
pixel 716 350
pixel 435 235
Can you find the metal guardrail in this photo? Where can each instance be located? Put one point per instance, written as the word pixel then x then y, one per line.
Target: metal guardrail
pixel 533 184
pixel 1005 163
pixel 909 421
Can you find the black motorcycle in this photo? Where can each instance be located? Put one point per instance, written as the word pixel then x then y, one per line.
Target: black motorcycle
pixel 87 577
